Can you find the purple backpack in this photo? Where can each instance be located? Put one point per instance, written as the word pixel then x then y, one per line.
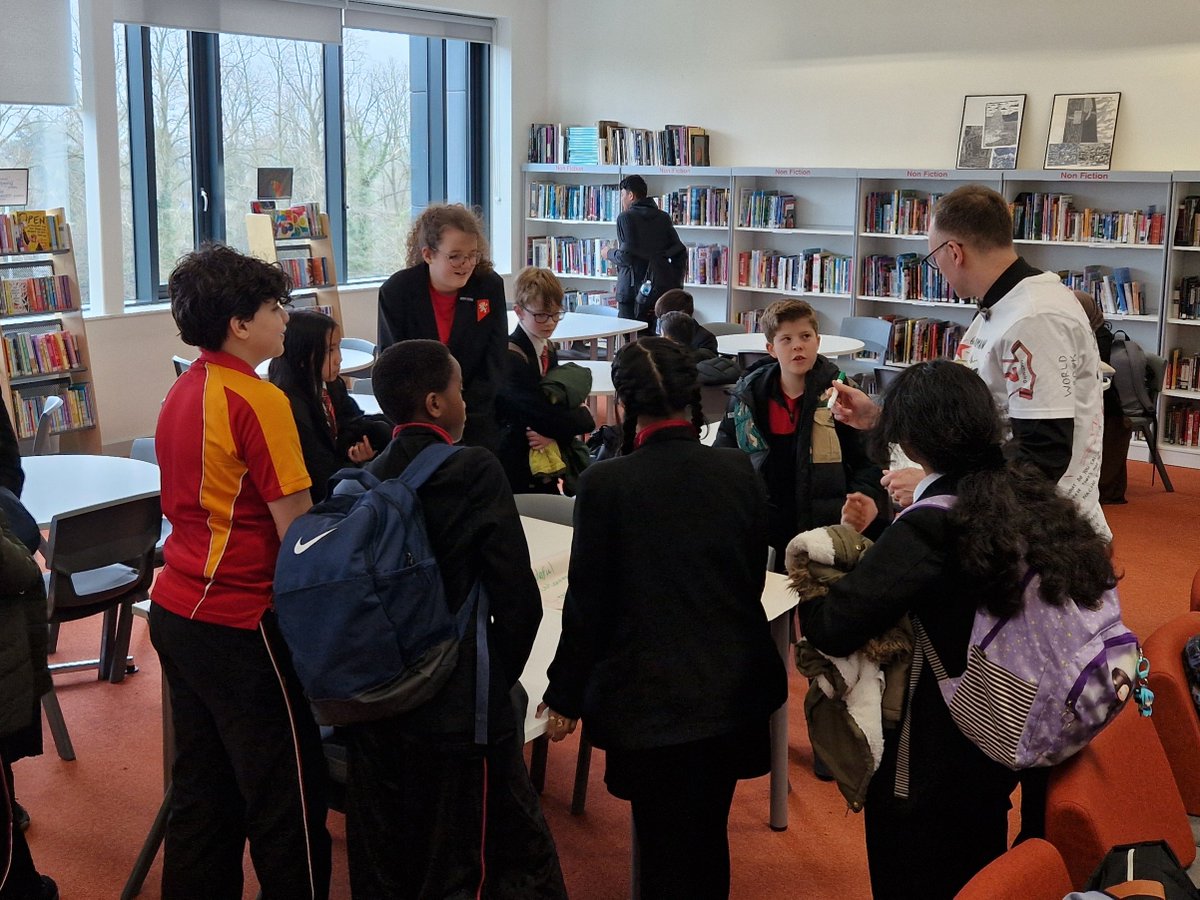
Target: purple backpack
pixel 1040 684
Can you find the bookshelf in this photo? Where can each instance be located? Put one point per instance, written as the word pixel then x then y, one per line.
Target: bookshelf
pixel 316 283
pixel 793 236
pixel 1179 402
pixel 45 344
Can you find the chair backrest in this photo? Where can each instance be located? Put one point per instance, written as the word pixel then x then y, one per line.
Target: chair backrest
pixel 1158 366
pixel 143 449
pixel 714 401
pixel 875 334
pixel 596 309
pixel 181 364
pixel 720 328
pixel 1175 717
pixel 361 344
pixel 1032 870
pixel 547 507
pixel 747 358
pixel 1117 790
pixel 884 376
pixel 107 534
pixel 43 442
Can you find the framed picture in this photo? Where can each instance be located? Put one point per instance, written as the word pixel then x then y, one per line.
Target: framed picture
pixel 1082 127
pixel 14 187
pixel 991 131
pixel 274 183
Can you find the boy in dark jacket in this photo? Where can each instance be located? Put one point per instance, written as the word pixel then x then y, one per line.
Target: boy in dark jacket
pixel 647 247
pixel 815 469
pixel 679 300
pixel 430 812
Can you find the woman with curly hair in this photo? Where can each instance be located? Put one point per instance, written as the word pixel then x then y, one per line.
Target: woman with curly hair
pixel 942 565
pixel 665 652
pixel 450 293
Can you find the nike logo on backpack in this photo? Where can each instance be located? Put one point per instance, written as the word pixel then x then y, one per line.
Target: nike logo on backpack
pixel 302 545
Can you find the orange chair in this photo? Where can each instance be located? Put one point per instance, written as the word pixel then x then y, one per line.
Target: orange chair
pixel 1175 716
pixel 1196 591
pixel 1032 870
pixel 1117 790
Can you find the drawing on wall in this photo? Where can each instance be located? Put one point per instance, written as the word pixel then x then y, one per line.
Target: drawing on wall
pixel 1082 128
pixel 991 131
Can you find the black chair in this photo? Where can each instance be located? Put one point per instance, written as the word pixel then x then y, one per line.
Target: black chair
pixel 1147 425
pixel 719 328
pixel 44 440
pixel 100 562
pixel 181 364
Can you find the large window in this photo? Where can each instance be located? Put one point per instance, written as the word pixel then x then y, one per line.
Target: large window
pixel 200 113
pixel 48 141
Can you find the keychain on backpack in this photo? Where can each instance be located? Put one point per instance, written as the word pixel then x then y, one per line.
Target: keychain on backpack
pixel 1142 695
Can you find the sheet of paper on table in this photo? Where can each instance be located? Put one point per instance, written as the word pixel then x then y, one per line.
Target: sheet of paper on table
pixel 552 580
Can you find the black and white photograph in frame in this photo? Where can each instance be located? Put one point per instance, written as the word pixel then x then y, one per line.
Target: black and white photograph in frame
pixel 1082 128
pixel 991 131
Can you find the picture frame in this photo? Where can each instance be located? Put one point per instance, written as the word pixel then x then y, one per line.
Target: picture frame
pixel 991 131
pixel 1082 131
pixel 274 183
pixel 14 187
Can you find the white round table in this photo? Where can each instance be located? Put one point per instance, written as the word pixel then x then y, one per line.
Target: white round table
pixel 352 361
pixel 831 344
pixel 66 482
pixel 602 383
pixel 583 327
pixel 367 403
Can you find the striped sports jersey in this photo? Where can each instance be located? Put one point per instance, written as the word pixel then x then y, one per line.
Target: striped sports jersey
pixel 227 446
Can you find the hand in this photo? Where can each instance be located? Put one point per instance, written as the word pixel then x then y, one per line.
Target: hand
pixel 557 727
pixel 537 441
pixel 610 253
pixel 859 511
pixel 900 484
pixel 361 452
pixel 853 407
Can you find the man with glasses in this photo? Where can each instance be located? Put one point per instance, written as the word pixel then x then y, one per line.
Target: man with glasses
pixel 529 422
pixel 649 255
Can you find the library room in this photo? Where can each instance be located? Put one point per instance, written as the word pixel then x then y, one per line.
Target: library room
pixel 453 448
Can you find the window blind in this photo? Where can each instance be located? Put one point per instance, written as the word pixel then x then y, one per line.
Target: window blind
pixel 36 64
pixel 425 23
pixel 300 20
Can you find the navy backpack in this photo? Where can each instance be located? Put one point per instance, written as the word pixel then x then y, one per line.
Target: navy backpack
pixel 361 603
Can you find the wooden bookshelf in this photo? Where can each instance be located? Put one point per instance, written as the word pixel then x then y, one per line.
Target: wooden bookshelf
pixel 36 362
pixel 260 235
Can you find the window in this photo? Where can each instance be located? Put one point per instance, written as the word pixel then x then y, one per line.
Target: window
pixel 48 141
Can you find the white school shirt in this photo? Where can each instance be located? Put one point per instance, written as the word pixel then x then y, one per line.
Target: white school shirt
pixel 1037 354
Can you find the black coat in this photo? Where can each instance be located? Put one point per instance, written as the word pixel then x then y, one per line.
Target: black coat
pixel 643 231
pixel 477 337
pixel 475 533
pixel 521 404
pixel 957 809
pixel 664 637
pixel 11 475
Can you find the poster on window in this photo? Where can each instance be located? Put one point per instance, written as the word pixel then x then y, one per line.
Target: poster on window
pixel 274 183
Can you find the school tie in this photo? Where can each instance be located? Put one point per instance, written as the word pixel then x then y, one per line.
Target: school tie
pixel 545 358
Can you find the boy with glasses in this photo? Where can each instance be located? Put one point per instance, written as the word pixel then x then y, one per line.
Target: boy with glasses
pixel 529 421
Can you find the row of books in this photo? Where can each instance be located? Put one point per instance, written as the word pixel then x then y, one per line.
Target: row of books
pixel 1181 424
pixel 904 277
pixel 1187 222
pixel 766 209
pixel 307 271
pixel 697 205
pixel 574 202
pixel 572 300
pixel 1116 292
pixel 707 264
pixel 611 143
pixel 921 339
pixel 1185 298
pixel 29 353
pixel 749 319
pixel 48 293
pixel 568 255
pixel 33 231
pixel 1182 371
pixel 77 411
pixel 1054 217
pixel 898 212
pixel 301 220
pixel 814 271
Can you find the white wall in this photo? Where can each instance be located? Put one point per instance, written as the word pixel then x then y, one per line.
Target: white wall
pixel 876 83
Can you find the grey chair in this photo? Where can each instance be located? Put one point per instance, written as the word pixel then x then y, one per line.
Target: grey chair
pixel 181 364
pixel 720 328
pixel 364 346
pixel 1147 426
pixel 548 507
pixel 100 561
pixel 45 441
pixel 143 449
pixel 876 335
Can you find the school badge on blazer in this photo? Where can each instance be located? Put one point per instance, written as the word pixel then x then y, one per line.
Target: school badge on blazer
pixel 482 308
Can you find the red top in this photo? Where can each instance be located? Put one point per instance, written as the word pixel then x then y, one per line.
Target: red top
pixel 227 446
pixel 443 311
pixel 641 437
pixel 437 429
pixel 782 412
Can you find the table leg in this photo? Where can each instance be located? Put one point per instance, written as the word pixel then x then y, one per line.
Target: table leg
pixel 779 735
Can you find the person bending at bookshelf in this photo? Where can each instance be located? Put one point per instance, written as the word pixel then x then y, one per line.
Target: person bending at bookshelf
pixel 942 565
pixel 248 757
pixel 666 656
pixel 451 293
pixel 334 432
pixel 530 422
pixel 679 300
pixel 649 254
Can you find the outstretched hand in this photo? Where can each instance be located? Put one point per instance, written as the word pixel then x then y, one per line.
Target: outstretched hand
pixel 859 511
pixel 900 484
pixel 853 407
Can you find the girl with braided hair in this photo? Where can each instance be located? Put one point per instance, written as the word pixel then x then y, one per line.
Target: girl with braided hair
pixel 665 655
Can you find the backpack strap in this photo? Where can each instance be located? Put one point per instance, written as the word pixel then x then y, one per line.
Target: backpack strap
pixel 923 653
pixel 425 463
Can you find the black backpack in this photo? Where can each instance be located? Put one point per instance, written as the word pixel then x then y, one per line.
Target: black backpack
pixel 1133 379
pixel 1148 869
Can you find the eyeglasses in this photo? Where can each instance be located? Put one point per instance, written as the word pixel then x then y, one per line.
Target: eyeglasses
pixel 457 259
pixel 929 260
pixel 543 317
